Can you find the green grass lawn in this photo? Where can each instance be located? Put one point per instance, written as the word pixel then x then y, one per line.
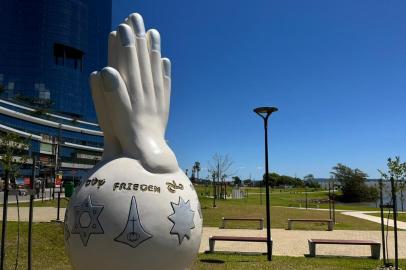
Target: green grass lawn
pixel 252 207
pixel 401 217
pixel 48 251
pixel 259 262
pixel 279 197
pixel 293 198
pixel 279 215
pixel 49 254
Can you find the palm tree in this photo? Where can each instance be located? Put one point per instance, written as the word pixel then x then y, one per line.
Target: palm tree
pixel 196 168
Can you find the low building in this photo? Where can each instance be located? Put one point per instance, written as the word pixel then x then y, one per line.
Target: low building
pixel 61 144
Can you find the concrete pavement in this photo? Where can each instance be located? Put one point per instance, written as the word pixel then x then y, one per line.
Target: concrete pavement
pixel 364 215
pixel 26 198
pixel 286 242
pixel 41 214
pixel 295 242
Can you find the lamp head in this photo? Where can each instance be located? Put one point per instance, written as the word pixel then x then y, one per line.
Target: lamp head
pixel 265 112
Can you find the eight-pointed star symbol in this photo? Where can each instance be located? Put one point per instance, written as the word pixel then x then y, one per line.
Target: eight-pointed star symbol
pixel 87 220
pixel 182 219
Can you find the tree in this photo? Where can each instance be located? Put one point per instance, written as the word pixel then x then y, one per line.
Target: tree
pixel 353 186
pixel 193 177
pixel 402 187
pixel 276 180
pixel 310 182
pixel 13 151
pixel 308 178
pixel 247 182
pixel 237 181
pixel 397 172
pixel 196 169
pixel 273 179
pixel 220 168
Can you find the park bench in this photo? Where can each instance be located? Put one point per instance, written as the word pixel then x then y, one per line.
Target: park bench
pixel 213 239
pixel 375 246
pixel 328 221
pixel 224 219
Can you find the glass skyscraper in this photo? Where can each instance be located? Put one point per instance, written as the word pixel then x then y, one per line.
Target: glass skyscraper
pixel 48 49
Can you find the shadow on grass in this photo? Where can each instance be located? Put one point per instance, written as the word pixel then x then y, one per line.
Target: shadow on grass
pixel 343 257
pixel 215 261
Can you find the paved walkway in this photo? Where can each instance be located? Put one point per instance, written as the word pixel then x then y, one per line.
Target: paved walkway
pixel 364 215
pixel 41 214
pixel 295 242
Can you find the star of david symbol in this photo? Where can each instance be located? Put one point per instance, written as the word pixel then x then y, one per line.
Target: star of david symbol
pixel 87 220
pixel 182 219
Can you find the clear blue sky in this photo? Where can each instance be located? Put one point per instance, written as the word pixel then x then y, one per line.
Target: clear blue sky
pixel 335 69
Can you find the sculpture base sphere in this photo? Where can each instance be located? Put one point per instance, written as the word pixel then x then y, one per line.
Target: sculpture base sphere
pixel 123 217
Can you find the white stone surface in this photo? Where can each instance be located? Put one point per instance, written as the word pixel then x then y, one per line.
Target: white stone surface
pixel 167 245
pixel 136 209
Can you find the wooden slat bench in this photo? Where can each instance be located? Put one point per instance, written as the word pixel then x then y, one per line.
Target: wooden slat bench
pixel 213 239
pixel 329 222
pixel 375 246
pixel 224 219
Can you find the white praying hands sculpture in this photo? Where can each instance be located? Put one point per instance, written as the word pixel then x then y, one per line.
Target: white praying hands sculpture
pixel 132 97
pixel 136 209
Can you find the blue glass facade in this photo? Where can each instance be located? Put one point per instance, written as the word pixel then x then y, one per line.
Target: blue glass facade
pixel 48 50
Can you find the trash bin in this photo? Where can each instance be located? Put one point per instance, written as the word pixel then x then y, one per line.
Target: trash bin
pixel 69 188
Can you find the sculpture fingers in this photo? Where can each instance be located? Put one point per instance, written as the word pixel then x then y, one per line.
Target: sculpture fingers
pixel 166 70
pixel 137 24
pixel 128 66
pixel 113 50
pixel 112 147
pixel 154 48
pixel 120 107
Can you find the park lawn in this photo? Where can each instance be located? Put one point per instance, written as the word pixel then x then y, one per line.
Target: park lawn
pixel 401 216
pixel 49 254
pixel 279 197
pixel 48 250
pixel 279 216
pixel 221 261
pixel 316 199
pixel 293 198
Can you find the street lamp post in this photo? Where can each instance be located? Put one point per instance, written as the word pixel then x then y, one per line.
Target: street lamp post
pixel 306 196
pixel 214 190
pixel 265 112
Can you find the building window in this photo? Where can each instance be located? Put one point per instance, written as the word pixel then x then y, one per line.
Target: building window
pixel 68 57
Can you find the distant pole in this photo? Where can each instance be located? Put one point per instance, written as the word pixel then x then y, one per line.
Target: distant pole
pixel 395 213
pixel 4 222
pixel 59 206
pixel 265 112
pixel 214 191
pixel 260 192
pixel 329 199
pixel 306 196
pixel 57 154
pixel 30 215
pixel 382 222
pixel 334 204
